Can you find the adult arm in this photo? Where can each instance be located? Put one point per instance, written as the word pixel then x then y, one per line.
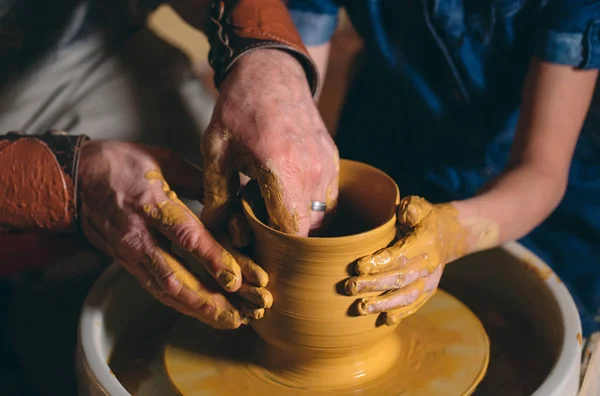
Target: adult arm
pixel 38 200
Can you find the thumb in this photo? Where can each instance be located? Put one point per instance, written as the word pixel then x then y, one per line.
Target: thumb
pixel 182 175
pixel 412 210
pixel 287 205
pixel 221 181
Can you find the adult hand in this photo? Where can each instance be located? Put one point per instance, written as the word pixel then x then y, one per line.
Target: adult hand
pixel 128 210
pixel 266 126
pixel 409 271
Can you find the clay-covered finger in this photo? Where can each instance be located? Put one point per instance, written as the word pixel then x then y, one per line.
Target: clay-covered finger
pixel 251 311
pixel 227 317
pixel 259 296
pixel 390 280
pixel 221 180
pixel 412 210
pixel 394 299
pixel 287 204
pixel 387 259
pixel 252 273
pixel 183 175
pixel 395 316
pixel 239 230
pixel 176 222
pixel 187 293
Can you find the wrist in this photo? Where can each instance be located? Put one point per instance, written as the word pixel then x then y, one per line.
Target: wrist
pixel 481 233
pixel 40 185
pixel 272 66
pixel 241 27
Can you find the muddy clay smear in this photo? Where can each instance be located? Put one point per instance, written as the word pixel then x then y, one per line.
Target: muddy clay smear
pixel 203 360
pixel 443 341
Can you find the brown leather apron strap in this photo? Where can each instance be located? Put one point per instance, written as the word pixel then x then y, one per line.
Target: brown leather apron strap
pixel 237 27
pixel 38 181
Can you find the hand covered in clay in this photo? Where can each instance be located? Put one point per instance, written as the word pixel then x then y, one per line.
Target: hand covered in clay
pixel 266 126
pixel 409 271
pixel 128 210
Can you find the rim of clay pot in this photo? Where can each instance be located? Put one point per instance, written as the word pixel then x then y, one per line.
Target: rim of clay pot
pixel 249 211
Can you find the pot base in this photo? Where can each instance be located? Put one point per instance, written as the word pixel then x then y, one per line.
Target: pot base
pixel 443 350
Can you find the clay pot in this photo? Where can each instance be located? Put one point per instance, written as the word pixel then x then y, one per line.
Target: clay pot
pixel 312 337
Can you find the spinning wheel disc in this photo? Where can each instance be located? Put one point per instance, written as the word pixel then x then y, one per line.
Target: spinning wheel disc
pixel 444 352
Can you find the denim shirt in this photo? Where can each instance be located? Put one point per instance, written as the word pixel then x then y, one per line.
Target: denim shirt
pixel 457 68
pixel 468 55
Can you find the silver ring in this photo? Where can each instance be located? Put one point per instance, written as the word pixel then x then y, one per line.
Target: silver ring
pixel 318 206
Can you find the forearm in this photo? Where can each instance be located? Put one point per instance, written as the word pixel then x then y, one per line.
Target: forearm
pixel 235 28
pixel 510 207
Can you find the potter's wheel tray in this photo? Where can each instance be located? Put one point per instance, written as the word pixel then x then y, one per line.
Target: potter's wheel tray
pixel 444 350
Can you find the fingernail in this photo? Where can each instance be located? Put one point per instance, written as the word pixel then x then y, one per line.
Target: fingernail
pixel 256 295
pixel 262 278
pixel 267 298
pixel 392 320
pixel 363 307
pixel 227 320
pixel 258 313
pixel 227 279
pixel 352 286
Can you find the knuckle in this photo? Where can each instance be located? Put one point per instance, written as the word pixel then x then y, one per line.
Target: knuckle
pixel 209 313
pixel 171 285
pixel 134 239
pixel 214 141
pixel 412 297
pixel 317 168
pixel 187 236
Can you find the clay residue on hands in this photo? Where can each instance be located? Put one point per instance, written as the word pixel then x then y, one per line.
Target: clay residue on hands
pixel 221 184
pixel 282 218
pixel 483 233
pixel 409 270
pixel 173 212
pixel 208 306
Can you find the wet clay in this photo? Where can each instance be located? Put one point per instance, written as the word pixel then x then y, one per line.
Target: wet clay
pixel 313 336
pixel 441 350
pixel 519 361
pixel 312 339
pixel 171 212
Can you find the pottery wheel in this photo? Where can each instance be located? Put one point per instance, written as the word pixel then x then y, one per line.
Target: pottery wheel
pixel 445 351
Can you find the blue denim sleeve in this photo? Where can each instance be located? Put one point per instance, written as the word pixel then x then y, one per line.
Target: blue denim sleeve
pixel 315 20
pixel 569 33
